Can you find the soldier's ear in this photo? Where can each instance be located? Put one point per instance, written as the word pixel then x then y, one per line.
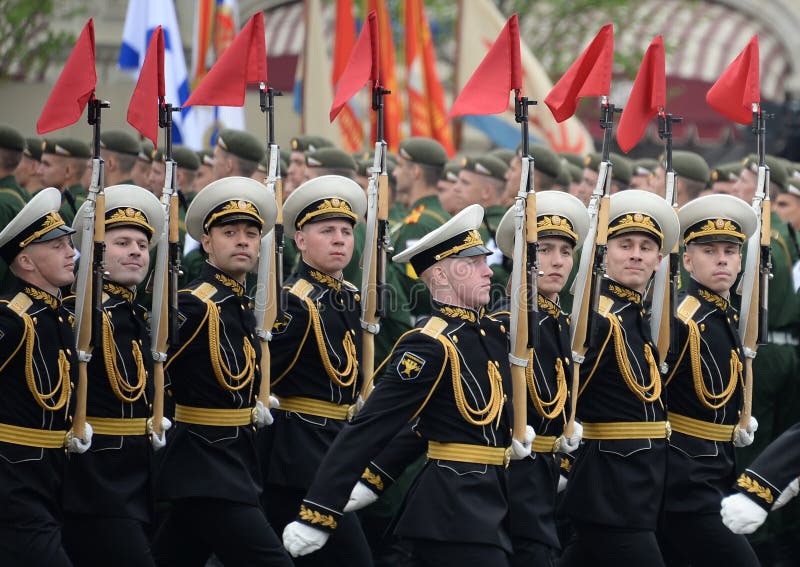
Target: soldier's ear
pixel 300 240
pixel 205 242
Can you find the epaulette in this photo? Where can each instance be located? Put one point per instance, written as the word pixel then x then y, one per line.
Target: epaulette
pixel 349 285
pixel 301 288
pixel 20 303
pixel 204 291
pixel 687 308
pixel 604 305
pixel 434 327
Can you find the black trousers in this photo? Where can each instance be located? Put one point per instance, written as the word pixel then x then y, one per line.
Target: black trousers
pixel 445 554
pixel 239 534
pixel 32 543
pixel 600 546
pixel 529 553
pixel 93 541
pixel 347 546
pixel 702 539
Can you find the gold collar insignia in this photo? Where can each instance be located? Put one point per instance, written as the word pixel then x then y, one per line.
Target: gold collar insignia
pixel 116 289
pixel 237 288
pixel 625 293
pixel 713 298
pixel 42 295
pixel 551 307
pixel 325 279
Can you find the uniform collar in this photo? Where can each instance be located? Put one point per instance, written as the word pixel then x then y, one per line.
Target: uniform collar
pixel 116 290
pixel 551 307
pixel 620 292
pixel 222 279
pixel 459 313
pixel 40 295
pixel 707 296
pixel 325 280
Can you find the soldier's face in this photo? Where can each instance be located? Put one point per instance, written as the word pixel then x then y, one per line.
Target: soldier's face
pixel 233 248
pixel 326 245
pixel 445 189
pixel 469 280
pixel 714 264
pixel 53 170
pixel 513 175
pixel 745 186
pixel 403 175
pixel 471 188
pixel 203 177
pixel 296 173
pixel 27 172
pixel 127 255
pixel 631 259
pixel 49 265
pixel 555 260
pixel 140 172
pixel 787 206
pixel 584 189
pixel 725 187
pixel 155 179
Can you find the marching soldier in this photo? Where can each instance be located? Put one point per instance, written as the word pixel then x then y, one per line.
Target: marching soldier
pixel 449 379
pixel 562 222
pixel 37 352
pixel 315 351
pixel 107 491
pixel 617 482
pixel 301 146
pixel 209 471
pixel 703 387
pixel 64 161
pixel 120 152
pixel 237 153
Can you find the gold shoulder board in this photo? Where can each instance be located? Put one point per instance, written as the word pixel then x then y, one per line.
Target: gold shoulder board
pixel 301 288
pixel 20 303
pixel 434 327
pixel 604 305
pixel 204 291
pixel 687 308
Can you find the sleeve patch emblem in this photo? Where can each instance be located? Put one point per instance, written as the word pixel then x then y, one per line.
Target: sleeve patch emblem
pixel 410 366
pixel 281 324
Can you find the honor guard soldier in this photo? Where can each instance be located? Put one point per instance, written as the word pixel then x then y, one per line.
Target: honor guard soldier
pixel 37 353
pixel 562 222
pixel 702 387
pixel 209 471
pixel 767 484
pixel 315 351
pixel 107 491
pixel 616 484
pixel 449 380
pixel 64 161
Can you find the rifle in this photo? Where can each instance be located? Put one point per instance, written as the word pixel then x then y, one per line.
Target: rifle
pixel 270 252
pixel 758 267
pixel 524 295
pixel 376 247
pixel 164 323
pixel 89 282
pixel 586 288
pixel 665 286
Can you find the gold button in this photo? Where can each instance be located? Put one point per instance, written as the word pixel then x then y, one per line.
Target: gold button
pixel 69 352
pixel 502 328
pixel 455 339
pixel 619 317
pixel 483 333
pixel 702 327
pixel 60 319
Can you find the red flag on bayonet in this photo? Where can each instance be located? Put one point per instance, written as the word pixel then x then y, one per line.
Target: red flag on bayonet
pixel 487 90
pixel 735 92
pixel 387 69
pixel 362 66
pixel 589 75
pixel 351 131
pixel 648 95
pixel 244 61
pixel 149 91
pixel 74 87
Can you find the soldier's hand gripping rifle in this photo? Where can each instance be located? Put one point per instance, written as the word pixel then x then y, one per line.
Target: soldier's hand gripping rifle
pixel 270 253
pixel 665 284
pixel 164 321
pixel 377 247
pixel 524 288
pixel 757 271
pixel 586 288
pixel 89 282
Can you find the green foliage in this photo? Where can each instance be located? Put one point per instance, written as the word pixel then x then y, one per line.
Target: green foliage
pixel 28 42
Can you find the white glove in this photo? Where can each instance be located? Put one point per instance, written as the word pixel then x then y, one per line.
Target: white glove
pixel 745 437
pixel 570 444
pixel 562 484
pixel 77 445
pixel 159 441
pixel 788 493
pixel 301 539
pixel 360 497
pixel 741 515
pixel 521 450
pixel 261 415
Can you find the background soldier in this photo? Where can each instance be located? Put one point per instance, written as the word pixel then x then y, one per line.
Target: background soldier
pixel 26 174
pixel 316 349
pixel 37 352
pixel 703 388
pixel 237 153
pixel 63 162
pixel 141 169
pixel 296 172
pixel 120 151
pixel 12 196
pixel 107 491
pixel 209 472
pixel 450 380
pixel 617 482
pixel 562 222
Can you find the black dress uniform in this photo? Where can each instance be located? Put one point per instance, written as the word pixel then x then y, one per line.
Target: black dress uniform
pixel 704 396
pixel 315 351
pixel 616 484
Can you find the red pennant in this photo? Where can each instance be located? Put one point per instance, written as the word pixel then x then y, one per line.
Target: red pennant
pixel 589 75
pixel 149 91
pixel 243 62
pixel 74 87
pixel 362 66
pixel 735 92
pixel 487 90
pixel 647 96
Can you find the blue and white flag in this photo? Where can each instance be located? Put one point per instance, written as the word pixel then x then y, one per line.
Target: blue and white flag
pixel 141 20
